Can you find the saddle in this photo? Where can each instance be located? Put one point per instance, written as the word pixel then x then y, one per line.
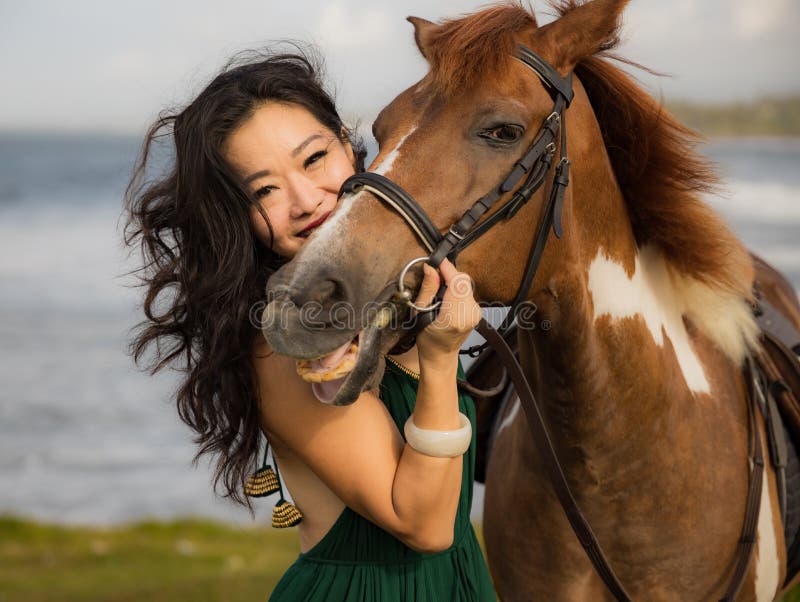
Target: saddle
pixel 778 314
pixel 777 311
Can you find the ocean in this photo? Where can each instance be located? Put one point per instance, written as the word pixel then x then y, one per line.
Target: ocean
pixel 85 437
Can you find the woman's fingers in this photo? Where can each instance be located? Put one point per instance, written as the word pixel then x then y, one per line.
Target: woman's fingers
pixel 459 312
pixel 457 316
pixel 428 287
pixel 459 291
pixel 448 269
pixel 459 284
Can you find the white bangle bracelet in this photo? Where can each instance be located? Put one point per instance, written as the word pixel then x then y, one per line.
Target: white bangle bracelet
pixel 439 444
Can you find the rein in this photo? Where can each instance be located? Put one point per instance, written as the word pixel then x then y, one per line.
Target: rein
pixel 534 166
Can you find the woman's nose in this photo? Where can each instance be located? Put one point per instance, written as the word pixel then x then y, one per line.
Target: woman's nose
pixel 306 197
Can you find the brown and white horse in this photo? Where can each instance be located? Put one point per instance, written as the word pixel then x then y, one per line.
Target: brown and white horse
pixel 645 298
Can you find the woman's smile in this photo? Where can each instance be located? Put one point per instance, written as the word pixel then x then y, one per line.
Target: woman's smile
pixel 306 232
pixel 292 166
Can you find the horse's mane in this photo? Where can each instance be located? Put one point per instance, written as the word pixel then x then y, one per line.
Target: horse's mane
pixel 464 51
pixel 660 174
pixel 662 178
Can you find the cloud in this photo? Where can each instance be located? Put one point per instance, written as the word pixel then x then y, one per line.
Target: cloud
pixel 101 65
pixel 760 19
pixel 349 27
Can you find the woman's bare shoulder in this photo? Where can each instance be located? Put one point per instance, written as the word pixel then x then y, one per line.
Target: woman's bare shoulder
pixel 287 400
pixel 354 449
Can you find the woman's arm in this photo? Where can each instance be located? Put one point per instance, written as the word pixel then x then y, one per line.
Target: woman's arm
pixel 423 481
pixel 358 452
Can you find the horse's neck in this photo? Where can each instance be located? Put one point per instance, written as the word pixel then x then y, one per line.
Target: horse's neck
pixel 598 351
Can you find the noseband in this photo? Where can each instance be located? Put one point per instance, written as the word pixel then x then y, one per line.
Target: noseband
pixel 533 166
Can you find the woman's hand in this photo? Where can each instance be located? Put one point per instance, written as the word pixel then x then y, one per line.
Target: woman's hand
pixel 458 314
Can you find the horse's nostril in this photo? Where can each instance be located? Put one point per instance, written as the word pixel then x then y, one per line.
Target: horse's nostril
pixel 324 292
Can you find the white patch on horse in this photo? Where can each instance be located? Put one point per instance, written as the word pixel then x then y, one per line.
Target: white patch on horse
pixel 385 166
pixel 649 294
pixel 767 570
pixel 509 419
pixel 331 230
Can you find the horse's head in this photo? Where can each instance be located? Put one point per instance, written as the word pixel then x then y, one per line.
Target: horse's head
pixel 447 141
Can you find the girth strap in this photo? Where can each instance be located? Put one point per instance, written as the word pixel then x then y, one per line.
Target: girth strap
pixel 753 504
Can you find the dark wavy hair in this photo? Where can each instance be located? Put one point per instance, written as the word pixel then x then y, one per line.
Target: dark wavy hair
pixel 203 268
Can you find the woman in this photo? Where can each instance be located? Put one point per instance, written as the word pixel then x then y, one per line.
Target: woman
pixel 260 156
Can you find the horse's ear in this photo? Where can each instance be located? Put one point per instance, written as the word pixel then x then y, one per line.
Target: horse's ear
pixel 423 32
pixel 580 32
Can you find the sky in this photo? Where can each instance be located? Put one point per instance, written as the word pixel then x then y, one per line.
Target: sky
pixel 112 65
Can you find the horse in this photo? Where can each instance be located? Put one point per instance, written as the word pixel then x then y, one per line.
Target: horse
pixel 643 309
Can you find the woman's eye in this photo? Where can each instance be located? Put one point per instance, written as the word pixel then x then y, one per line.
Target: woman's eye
pixel 263 191
pixel 314 158
pixel 503 133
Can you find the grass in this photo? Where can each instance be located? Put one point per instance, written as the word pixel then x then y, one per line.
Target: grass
pixel 184 560
pixel 194 560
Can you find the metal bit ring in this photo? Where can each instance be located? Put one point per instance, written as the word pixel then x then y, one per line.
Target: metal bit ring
pixel 405 295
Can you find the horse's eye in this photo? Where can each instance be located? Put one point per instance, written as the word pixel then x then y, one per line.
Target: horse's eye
pixel 503 133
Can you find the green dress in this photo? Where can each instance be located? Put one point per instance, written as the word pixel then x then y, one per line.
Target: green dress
pixel 357 561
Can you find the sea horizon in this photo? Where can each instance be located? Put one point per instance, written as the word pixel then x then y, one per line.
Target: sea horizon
pixel 85 436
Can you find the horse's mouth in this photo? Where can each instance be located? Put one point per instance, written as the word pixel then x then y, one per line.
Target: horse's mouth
pixel 339 377
pixel 328 373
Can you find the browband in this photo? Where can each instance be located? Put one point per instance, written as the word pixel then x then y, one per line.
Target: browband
pixel 551 77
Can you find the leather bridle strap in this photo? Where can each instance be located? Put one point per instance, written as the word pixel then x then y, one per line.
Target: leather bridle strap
pixel 533 166
pixel 535 163
pixel 548 75
pixel 402 202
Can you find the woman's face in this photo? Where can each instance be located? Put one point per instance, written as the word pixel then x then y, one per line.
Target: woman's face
pixel 293 166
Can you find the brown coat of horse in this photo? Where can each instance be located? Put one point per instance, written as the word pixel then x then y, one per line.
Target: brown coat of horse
pixel 642 319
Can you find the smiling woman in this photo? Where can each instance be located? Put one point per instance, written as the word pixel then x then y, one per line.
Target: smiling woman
pixel 206 266
pixel 300 189
pixel 260 157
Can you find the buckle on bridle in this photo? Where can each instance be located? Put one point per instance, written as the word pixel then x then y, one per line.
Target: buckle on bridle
pixel 458 236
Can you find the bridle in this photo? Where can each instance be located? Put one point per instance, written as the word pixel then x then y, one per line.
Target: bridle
pixel 533 166
pixel 532 169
